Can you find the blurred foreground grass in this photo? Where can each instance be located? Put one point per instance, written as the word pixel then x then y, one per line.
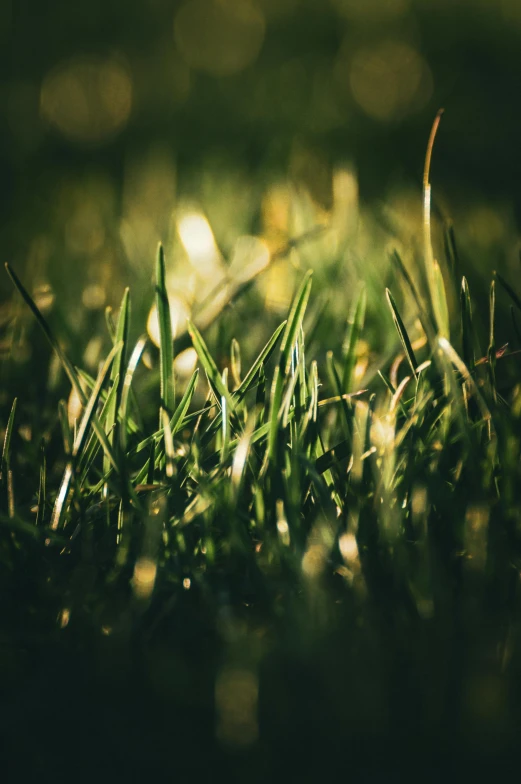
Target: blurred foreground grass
pixel 279 562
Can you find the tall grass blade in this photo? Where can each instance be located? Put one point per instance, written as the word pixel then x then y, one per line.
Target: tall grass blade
pixel 116 375
pixel 79 441
pixel 291 331
pixel 169 444
pixel 65 362
pixel 402 332
pixel 263 357
pixel 467 341
pixel 6 449
pixel 166 340
pixel 209 365
pixel 356 324
pixel 42 488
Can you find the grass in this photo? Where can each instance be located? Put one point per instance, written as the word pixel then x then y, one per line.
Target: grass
pixel 252 564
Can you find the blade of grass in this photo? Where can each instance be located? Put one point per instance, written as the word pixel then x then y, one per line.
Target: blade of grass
pixel 6 449
pixel 166 340
pixel 209 365
pixel 356 323
pixel 402 332
pixel 88 414
pixel 466 326
pixel 289 337
pixel 169 444
pixel 116 375
pixel 66 364
pixel 40 512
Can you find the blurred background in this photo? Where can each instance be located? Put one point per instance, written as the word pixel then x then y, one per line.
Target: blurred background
pixel 226 127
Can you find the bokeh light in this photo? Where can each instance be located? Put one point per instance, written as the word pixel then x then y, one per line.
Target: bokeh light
pixel 87 99
pixel 219 37
pixel 388 79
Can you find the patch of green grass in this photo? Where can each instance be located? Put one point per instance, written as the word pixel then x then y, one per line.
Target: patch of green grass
pixel 302 515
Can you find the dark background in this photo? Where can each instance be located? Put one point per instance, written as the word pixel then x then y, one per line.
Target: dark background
pixel 285 107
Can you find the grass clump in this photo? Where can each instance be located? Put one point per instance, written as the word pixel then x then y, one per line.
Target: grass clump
pixel 307 552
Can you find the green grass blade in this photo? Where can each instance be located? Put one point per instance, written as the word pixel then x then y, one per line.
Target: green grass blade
pixel 491 354
pixel 169 444
pixel 42 488
pixel 127 384
pixel 294 322
pixel 466 326
pixel 6 449
pixel 225 424
pixel 209 365
pixel 65 362
pixel 356 323
pixel 261 360
pixel 235 363
pixel 86 420
pixel 116 375
pixel 402 332
pixel 291 331
pixel 166 340
pixel 439 301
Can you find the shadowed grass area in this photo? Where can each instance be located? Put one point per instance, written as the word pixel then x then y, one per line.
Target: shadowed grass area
pixel 299 568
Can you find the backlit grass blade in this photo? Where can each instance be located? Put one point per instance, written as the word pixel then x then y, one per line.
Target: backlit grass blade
pixel 466 326
pixel 169 444
pixel 294 322
pixel 439 301
pixel 293 325
pixel 125 393
pixel 6 449
pixel 63 493
pixel 66 364
pixel 263 357
pixel 166 344
pixel 235 363
pixel 180 413
pixel 491 354
pixel 42 488
pixel 402 332
pixel 356 323
pixel 6 474
pixel 209 365
pixel 225 424
pixel 116 375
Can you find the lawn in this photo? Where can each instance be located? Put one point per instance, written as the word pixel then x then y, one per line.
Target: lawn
pixel 297 559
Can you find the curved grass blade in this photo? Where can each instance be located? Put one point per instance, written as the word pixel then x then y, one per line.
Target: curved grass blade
pixel 355 329
pixel 169 444
pixel 466 326
pixel 225 424
pixel 291 331
pixel 127 384
pixel 491 354
pixel 235 362
pixel 402 332
pixel 79 441
pixel 116 375
pixel 42 488
pixel 66 364
pixel 6 474
pixel 166 340
pixel 209 365
pixel 263 357
pixel 6 449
